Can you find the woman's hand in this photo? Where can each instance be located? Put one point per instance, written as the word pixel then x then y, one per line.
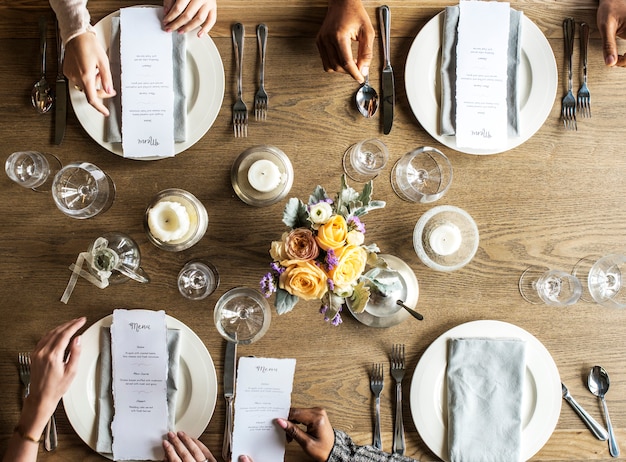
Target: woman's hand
pixel 180 447
pixel 318 439
pixel 611 18
pixel 186 15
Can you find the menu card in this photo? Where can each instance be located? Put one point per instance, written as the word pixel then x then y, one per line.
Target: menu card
pixel 139 361
pixel 147 84
pixel 481 82
pixel 263 394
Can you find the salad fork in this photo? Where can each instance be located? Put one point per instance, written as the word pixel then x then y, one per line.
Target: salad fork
pixel 260 99
pixel 376 385
pixel 240 110
pixel 568 109
pixel 397 372
pixel 584 104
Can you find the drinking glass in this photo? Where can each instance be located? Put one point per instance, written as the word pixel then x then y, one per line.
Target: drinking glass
pixel 197 280
pixel 81 190
pixel 118 253
pixel 364 160
pixel 602 279
pixel 539 284
pixel 242 315
pixel 32 169
pixel 423 175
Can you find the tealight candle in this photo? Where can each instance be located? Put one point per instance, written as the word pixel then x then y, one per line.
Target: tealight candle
pixel 169 221
pixel 445 239
pixel 264 175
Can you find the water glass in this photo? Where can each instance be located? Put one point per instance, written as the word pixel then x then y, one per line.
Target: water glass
pixel 364 160
pixel 82 190
pixel 197 280
pixel 242 315
pixel 602 279
pixel 423 175
pixel 32 169
pixel 540 284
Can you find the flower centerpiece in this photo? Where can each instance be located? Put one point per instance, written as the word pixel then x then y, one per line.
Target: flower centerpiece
pixel 323 255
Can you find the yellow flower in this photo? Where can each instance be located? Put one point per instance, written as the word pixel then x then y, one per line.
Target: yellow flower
pixel 300 245
pixel 277 250
pixel 332 234
pixel 304 280
pixel 350 266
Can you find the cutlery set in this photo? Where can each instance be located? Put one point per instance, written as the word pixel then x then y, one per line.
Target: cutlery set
pixel 581 103
pixel 397 369
pixel 240 110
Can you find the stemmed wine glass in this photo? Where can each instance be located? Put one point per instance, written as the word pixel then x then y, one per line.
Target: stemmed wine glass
pixel 602 279
pixel 423 175
pixel 197 280
pixel 364 160
pixel 242 315
pixel 539 284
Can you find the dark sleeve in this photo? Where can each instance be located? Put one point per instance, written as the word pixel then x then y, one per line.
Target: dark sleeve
pixel 345 450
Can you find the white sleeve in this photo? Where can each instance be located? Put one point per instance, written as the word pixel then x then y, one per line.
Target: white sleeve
pixel 73 18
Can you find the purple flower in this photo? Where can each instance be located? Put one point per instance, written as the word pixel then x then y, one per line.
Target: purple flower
pixel 337 320
pixel 331 284
pixel 323 310
pixel 268 286
pixel 331 260
pixel 277 268
pixel 356 223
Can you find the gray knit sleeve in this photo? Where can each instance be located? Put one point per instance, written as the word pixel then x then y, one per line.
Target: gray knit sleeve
pixel 345 450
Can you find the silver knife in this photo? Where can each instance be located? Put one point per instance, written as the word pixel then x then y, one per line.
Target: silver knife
pixel 50 435
pixel 591 423
pixel 60 101
pixel 230 370
pixel 389 92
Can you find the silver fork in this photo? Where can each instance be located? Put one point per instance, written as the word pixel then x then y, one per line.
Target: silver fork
pixel 584 103
pixel 568 105
pixel 260 99
pixel 240 110
pixel 397 372
pixel 376 385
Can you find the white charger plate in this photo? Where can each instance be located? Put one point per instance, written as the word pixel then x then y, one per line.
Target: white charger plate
pixel 197 392
pixel 541 401
pixel 537 83
pixel 205 91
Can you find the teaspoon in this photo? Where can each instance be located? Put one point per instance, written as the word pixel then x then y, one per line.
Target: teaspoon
pixel 41 96
pixel 366 99
pixel 598 384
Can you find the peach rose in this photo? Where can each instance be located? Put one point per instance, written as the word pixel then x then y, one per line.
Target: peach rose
pixel 304 280
pixel 332 234
pixel 350 266
pixel 277 249
pixel 300 245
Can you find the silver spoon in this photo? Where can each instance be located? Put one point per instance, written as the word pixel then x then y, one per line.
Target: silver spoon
pixel 41 96
pixel 366 99
pixel 412 312
pixel 598 384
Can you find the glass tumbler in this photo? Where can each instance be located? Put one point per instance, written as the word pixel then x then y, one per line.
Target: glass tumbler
pixel 364 160
pixel 197 280
pixel 82 190
pixel 32 169
pixel 539 284
pixel 423 175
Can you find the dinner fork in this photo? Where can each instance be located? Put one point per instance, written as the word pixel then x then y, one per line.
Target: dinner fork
pixel 376 385
pixel 584 103
pixel 240 110
pixel 23 360
pixel 568 109
pixel 397 372
pixel 260 99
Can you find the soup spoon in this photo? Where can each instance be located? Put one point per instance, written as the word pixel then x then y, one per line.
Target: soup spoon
pixel 41 96
pixel 598 384
pixel 366 99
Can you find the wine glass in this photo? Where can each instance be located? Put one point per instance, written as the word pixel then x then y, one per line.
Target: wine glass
pixel 32 169
pixel 82 190
pixel 423 175
pixel 602 279
pixel 118 253
pixel 242 315
pixel 364 160
pixel 539 284
pixel 197 280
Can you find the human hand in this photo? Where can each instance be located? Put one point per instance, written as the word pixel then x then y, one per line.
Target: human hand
pixel 318 439
pixel 180 447
pixel 611 19
pixel 86 65
pixel 186 15
pixel 346 21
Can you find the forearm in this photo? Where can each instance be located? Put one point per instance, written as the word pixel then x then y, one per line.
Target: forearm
pixel 345 450
pixel 73 17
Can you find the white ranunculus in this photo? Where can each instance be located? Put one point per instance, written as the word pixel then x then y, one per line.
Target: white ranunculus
pixel 321 212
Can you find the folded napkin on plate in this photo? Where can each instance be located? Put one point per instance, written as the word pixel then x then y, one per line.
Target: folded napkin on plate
pixel 179 55
pixel 448 71
pixel 485 379
pixel 104 405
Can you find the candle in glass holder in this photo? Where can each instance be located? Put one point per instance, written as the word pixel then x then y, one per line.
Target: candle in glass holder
pixel 445 239
pixel 169 221
pixel 264 175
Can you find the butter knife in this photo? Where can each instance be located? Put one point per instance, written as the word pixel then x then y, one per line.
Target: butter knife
pixel 591 423
pixel 60 101
pixel 50 435
pixel 230 370
pixel 389 92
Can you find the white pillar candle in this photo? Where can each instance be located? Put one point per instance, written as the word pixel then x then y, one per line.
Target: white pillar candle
pixel 168 221
pixel 445 239
pixel 264 175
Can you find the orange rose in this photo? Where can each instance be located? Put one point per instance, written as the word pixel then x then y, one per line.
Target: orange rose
pixel 350 266
pixel 300 245
pixel 304 280
pixel 332 234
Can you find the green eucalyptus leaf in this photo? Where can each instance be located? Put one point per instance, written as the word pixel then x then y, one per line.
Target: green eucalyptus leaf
pixel 296 214
pixel 318 195
pixel 284 301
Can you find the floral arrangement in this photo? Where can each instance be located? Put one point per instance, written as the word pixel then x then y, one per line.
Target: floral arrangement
pixel 323 255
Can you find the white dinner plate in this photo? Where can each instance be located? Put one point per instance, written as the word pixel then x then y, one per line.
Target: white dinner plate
pixel 197 392
pixel 205 91
pixel 537 83
pixel 541 402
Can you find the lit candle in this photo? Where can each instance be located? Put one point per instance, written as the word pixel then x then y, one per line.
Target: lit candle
pixel 445 239
pixel 168 221
pixel 264 175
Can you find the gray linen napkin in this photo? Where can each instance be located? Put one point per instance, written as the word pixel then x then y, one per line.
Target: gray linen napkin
pixel 485 378
pixel 179 56
pixel 104 405
pixel 448 71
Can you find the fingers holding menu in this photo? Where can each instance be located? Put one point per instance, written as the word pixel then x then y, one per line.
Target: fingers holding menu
pixel 318 439
pixel 180 447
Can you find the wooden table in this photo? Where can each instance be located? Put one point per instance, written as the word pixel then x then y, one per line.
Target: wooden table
pixel 554 199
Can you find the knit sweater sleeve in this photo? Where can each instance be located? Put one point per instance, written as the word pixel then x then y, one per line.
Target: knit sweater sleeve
pixel 345 450
pixel 73 18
